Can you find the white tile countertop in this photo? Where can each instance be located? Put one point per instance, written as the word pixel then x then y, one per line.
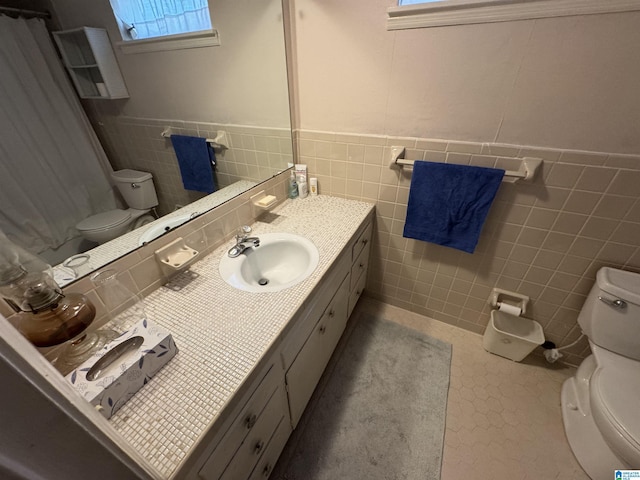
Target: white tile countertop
pixel 222 334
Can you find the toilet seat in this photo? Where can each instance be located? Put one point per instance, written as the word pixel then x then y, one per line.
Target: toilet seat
pixel 104 220
pixel 613 392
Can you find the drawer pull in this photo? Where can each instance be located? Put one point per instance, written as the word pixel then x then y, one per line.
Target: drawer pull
pixel 250 421
pixel 322 329
pixel 258 448
pixel 358 292
pixel 266 471
pixel 362 265
pixel 332 314
pixel 365 241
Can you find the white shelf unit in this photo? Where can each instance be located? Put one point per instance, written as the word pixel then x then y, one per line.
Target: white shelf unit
pixel 89 58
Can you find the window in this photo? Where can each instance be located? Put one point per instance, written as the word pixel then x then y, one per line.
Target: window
pixel 436 13
pixel 148 25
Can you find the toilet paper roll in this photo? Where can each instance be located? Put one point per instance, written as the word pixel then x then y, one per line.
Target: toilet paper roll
pixel 510 309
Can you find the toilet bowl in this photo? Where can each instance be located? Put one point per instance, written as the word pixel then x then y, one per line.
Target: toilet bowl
pixel 139 193
pixel 614 395
pixel 599 403
pixel 106 226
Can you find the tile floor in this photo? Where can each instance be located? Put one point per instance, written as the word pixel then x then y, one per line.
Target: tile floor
pixel 503 417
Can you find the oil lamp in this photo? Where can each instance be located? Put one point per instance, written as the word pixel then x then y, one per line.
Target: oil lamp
pixel 47 316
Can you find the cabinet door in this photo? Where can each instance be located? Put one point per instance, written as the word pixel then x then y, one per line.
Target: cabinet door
pixel 359 267
pixel 315 307
pixel 356 293
pixel 306 370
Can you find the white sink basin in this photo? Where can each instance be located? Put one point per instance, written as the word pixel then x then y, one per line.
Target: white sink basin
pixel 281 261
pixel 161 226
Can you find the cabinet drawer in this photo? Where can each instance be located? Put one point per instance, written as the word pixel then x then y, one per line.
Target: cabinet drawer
pixel 243 424
pixel 308 366
pixel 362 241
pixel 266 463
pixel 257 439
pixel 356 293
pixel 360 266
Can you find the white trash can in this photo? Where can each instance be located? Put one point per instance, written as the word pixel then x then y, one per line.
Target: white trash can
pixel 510 336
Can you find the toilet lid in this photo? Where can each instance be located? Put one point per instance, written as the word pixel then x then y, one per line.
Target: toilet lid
pixel 104 220
pixel 615 391
pixel 128 175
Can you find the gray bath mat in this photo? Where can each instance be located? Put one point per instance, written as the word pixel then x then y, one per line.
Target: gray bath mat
pixel 378 413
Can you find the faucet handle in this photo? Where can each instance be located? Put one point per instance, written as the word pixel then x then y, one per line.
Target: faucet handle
pixel 243 232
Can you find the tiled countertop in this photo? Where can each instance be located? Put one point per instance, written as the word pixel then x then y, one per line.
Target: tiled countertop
pixel 222 333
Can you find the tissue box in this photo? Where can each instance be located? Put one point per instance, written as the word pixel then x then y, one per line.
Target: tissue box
pixel 114 374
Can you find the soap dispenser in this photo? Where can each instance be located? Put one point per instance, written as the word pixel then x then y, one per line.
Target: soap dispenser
pixel 293 186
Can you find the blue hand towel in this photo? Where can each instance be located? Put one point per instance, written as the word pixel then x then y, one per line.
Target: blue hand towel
pixel 196 160
pixel 448 203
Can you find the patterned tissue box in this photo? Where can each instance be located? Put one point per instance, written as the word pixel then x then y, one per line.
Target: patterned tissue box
pixel 114 374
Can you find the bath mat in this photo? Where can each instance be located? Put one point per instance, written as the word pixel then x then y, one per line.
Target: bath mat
pixel 379 411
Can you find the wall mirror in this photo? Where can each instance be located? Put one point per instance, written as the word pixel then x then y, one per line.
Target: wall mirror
pixel 237 89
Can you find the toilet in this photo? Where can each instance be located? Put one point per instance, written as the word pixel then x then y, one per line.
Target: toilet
pixel 138 192
pixel 600 403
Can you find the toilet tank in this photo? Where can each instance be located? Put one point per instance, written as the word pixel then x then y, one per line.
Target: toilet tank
pixel 616 328
pixel 136 188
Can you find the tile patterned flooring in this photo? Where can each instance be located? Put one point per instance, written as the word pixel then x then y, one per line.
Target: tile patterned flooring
pixel 503 417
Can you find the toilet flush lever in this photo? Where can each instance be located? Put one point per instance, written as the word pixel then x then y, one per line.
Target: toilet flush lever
pixel 617 303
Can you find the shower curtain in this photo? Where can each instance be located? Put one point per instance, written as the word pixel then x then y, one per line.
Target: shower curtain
pixel 53 171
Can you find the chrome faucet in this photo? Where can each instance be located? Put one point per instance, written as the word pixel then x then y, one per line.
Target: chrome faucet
pixel 243 241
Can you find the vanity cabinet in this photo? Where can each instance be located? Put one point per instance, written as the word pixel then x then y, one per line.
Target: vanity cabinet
pixel 88 56
pixel 248 444
pixel 305 371
pixel 319 328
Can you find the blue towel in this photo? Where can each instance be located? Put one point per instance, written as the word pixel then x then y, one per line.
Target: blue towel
pixel 196 160
pixel 448 203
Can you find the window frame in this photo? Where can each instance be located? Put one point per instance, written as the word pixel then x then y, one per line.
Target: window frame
pixel 202 38
pixel 465 12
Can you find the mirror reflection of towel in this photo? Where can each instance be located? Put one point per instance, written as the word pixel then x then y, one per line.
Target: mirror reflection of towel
pixel 196 160
pixel 448 204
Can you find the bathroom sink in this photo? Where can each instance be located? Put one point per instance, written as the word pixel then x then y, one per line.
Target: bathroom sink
pixel 161 226
pixel 281 261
